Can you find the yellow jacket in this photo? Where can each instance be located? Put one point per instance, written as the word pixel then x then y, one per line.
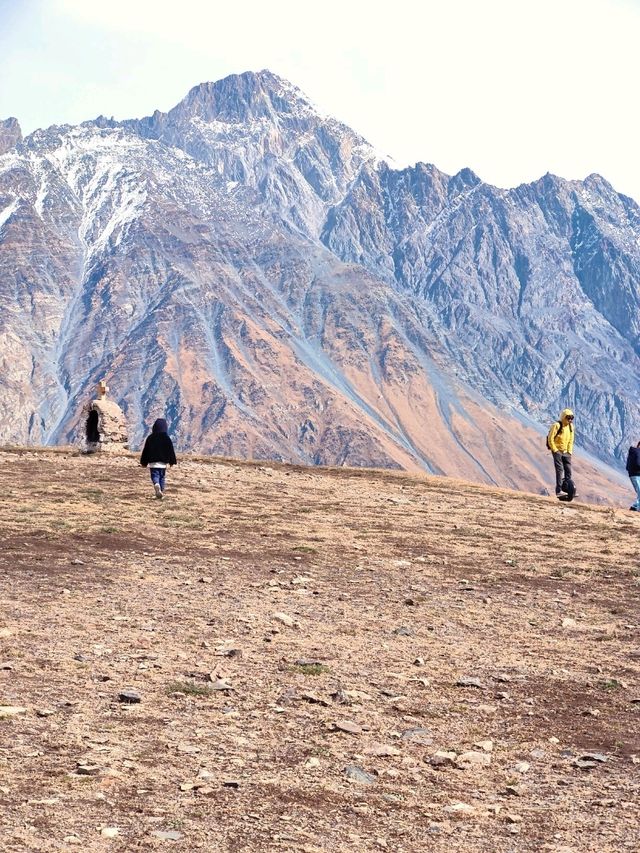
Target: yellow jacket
pixel 561 437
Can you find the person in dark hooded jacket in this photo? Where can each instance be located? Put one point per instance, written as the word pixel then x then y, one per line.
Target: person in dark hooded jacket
pixel 633 470
pixel 158 453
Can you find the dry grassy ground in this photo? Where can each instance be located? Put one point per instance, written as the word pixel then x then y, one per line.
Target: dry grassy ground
pixel 396 588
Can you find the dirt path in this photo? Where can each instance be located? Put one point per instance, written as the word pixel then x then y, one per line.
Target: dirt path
pixel 389 589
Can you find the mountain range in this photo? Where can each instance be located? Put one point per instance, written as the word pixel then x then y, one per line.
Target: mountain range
pixel 257 271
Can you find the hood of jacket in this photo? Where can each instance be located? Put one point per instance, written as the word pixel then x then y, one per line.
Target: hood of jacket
pixel 159 426
pixel 565 414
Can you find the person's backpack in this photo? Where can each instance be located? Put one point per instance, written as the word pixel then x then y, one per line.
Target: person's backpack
pixel 549 433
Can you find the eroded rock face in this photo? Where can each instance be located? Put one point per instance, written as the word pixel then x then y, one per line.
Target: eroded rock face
pixel 257 272
pixel 105 426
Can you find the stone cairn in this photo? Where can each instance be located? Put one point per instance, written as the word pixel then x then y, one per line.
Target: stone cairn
pixel 105 424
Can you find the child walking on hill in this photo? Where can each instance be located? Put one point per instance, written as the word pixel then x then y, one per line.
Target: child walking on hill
pixel 157 453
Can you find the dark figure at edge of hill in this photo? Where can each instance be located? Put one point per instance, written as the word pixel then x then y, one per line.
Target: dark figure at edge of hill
pixel 633 470
pixel 560 443
pixel 158 453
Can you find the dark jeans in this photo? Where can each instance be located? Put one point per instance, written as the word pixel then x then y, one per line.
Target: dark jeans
pixel 562 463
pixel 157 476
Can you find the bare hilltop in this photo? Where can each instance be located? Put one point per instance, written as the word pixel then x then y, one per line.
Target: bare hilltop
pixel 278 658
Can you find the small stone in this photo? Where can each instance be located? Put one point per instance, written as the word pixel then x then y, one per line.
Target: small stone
pixel 590 759
pixel 8 666
pixel 485 745
pixel 554 740
pixel 88 770
pixel 403 632
pixel 188 748
pixel 314 700
pixel 229 653
pixel 513 791
pixel 418 735
pixel 109 832
pixel 382 750
pixel 11 711
pixel 418 662
pixel 72 839
pixel 169 835
pixel 443 759
pixel 473 759
pixel 5 633
pixel 513 818
pixel 205 579
pixel 341 697
pixel 231 783
pixel 469 681
pixel 348 726
pixel 460 808
pixel 521 767
pixel 584 764
pixel 569 623
pixel 77 562
pixel 311 763
pixel 487 709
pixel 357 774
pixel 204 774
pixel 220 684
pixel 129 697
pixel 591 712
pixel 284 619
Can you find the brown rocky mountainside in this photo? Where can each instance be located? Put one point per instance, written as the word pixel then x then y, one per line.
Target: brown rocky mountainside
pixel 280 658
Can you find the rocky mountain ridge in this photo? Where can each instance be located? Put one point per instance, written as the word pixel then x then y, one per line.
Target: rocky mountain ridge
pixel 258 271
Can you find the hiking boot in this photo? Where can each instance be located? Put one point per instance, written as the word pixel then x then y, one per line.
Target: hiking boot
pixel 157 490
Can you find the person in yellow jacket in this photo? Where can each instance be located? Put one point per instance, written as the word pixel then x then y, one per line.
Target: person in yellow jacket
pixel 560 443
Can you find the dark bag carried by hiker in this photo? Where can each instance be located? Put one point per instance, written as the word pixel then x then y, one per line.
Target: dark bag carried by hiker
pixel 559 425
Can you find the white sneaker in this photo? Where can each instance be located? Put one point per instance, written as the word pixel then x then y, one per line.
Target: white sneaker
pixel 158 490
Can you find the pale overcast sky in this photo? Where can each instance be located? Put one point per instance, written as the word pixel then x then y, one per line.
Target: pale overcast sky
pixel 510 88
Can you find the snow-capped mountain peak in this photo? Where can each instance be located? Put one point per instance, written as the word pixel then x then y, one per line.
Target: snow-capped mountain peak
pixel 257 271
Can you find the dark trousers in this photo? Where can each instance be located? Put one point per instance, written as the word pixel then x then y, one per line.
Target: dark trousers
pixel 157 476
pixel 562 463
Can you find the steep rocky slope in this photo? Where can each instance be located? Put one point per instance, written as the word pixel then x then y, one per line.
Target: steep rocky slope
pixel 537 289
pixel 256 270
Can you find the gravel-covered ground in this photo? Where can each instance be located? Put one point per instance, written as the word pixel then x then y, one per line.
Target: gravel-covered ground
pixel 326 660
